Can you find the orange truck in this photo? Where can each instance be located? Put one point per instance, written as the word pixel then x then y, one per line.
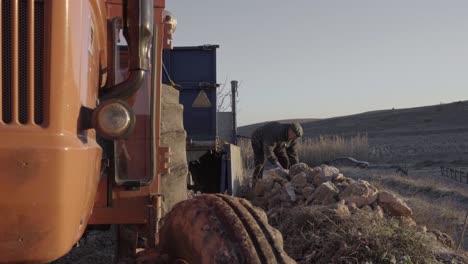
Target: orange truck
pixel 80 126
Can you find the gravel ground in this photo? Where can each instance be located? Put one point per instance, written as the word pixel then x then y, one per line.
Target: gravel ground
pixel 97 247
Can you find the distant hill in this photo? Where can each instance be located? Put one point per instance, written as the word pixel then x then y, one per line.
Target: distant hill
pixel 451 117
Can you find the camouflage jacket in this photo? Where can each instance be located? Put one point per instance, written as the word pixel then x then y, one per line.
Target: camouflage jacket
pixel 274 138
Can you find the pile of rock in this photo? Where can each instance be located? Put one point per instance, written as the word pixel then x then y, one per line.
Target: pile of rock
pixel 298 202
pixel 325 185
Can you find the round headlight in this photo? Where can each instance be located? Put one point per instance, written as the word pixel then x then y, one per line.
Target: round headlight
pixel 114 119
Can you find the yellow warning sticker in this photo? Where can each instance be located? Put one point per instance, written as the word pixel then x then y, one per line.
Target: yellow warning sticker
pixel 201 100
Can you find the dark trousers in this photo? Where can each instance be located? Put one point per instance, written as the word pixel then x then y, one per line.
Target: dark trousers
pixel 259 157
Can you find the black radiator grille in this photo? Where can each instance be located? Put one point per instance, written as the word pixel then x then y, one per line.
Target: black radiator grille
pixel 6 61
pixel 22 95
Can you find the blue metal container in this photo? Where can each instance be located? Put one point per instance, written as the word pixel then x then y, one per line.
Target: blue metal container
pixel 194 69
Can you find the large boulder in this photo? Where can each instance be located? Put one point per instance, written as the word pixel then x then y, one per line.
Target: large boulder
pixel 393 205
pixel 360 193
pixel 324 194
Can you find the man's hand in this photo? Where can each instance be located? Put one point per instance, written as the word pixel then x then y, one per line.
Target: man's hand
pixel 278 165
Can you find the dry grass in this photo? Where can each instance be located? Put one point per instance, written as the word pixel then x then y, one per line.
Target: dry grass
pixel 316 234
pixel 434 204
pixel 315 151
pixel 444 217
pixel 414 148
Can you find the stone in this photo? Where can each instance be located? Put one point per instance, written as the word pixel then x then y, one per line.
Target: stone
pixel 352 207
pixel 298 190
pixel 350 181
pixel 275 190
pixel 324 194
pixel 263 185
pixel 290 191
pixel 378 211
pixel 299 180
pixel 367 208
pixel 407 221
pixel 307 192
pixel 317 169
pixel 340 178
pixel 393 205
pixel 298 168
pixel 284 196
pixel 299 197
pixel 443 238
pixel 276 186
pixel 340 209
pixel 275 200
pixel 311 175
pixel 275 173
pixel 421 228
pixel 277 176
pixel 341 186
pixel 361 193
pixel 326 174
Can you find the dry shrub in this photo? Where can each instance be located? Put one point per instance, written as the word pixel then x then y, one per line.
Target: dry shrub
pixel 317 235
pixel 315 151
pixel 434 205
pixel 442 216
pixel 318 150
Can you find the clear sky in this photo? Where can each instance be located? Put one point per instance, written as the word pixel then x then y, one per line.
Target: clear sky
pixel 325 58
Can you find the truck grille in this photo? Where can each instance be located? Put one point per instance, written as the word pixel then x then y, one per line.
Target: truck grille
pixel 22 62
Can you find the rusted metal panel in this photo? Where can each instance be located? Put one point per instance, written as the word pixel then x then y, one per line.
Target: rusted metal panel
pixel 124 215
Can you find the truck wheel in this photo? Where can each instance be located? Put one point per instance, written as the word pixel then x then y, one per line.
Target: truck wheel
pixel 216 228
